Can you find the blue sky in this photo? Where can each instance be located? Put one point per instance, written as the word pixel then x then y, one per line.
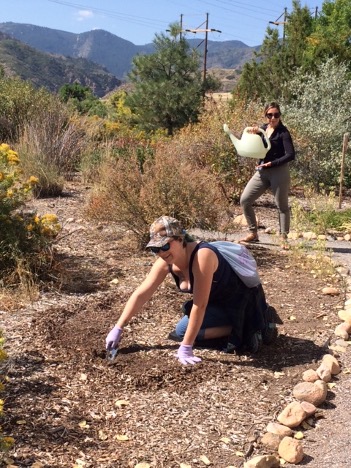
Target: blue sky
pixel 138 20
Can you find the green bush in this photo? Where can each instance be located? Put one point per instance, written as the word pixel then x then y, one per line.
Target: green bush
pixel 319 116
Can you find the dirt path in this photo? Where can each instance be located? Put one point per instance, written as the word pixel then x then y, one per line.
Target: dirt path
pixel 66 407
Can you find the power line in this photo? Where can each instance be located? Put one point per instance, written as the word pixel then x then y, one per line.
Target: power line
pixel 205 30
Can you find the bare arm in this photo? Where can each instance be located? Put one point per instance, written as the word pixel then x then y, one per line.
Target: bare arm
pixel 144 292
pixel 204 266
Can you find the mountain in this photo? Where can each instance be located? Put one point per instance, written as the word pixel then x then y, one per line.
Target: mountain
pixel 50 71
pixel 116 54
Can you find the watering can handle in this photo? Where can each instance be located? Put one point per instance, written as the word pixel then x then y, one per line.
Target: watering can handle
pixel 267 140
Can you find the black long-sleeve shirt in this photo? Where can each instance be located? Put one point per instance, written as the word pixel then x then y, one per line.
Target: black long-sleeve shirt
pixel 282 148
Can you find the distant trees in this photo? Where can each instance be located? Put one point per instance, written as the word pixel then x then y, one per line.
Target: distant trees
pixel 82 99
pixel 168 84
pixel 308 42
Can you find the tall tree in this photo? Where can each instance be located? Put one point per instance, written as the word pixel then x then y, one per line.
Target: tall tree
pixel 275 63
pixel 260 78
pixel 332 36
pixel 168 84
pixel 298 27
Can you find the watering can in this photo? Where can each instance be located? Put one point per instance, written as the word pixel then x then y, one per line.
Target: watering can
pixel 251 144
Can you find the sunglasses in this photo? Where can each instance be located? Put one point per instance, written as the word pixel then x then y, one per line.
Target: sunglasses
pixel 276 115
pixel 164 248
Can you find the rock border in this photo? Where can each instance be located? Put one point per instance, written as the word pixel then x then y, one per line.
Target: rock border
pixel 311 392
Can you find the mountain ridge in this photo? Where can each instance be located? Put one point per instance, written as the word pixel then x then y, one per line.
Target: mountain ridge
pixel 114 53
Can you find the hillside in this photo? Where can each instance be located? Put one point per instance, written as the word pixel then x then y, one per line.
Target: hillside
pixel 53 71
pixel 116 54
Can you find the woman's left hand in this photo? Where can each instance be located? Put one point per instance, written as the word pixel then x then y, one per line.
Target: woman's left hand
pixel 185 355
pixel 268 164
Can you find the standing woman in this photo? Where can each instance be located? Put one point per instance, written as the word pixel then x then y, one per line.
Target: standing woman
pixel 272 172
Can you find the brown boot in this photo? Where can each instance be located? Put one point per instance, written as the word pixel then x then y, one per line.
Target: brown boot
pixel 250 238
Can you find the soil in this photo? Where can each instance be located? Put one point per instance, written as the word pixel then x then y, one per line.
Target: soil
pixel 66 405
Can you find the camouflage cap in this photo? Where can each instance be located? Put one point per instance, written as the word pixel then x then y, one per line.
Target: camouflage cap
pixel 163 229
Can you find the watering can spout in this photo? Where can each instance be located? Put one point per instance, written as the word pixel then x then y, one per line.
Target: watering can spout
pixel 251 145
pixel 233 139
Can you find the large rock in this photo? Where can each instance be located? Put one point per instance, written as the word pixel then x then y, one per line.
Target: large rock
pixel 279 429
pixel 291 450
pixel 312 392
pixel 292 415
pixel 332 362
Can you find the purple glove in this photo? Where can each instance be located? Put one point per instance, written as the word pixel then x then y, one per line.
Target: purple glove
pixel 185 355
pixel 113 338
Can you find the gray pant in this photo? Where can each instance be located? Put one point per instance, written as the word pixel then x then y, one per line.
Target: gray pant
pixel 276 178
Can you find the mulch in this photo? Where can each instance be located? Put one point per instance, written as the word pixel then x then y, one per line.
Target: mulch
pixel 66 405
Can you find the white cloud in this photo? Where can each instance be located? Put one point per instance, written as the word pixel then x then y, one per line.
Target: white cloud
pixel 84 14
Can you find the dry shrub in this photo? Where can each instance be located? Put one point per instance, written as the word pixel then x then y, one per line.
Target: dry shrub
pixel 167 185
pixel 117 195
pixel 193 177
pixel 174 186
pixel 206 145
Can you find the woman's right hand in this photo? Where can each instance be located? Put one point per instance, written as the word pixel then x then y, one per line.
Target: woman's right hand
pixel 113 338
pixel 254 129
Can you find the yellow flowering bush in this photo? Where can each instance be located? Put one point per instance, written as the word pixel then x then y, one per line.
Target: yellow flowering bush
pixel 26 234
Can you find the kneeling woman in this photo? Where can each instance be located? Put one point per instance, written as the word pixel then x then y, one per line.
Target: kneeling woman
pixel 222 305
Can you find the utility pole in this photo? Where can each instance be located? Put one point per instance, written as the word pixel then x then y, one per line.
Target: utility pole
pixel 205 30
pixel 277 22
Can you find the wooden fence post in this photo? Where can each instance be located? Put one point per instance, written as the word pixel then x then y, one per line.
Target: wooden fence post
pixel 345 142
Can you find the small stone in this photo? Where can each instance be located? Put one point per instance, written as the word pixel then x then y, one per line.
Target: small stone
pixel 337 350
pixel 324 372
pixel 271 440
pixel 291 450
pixel 343 271
pixel 308 408
pixel 347 237
pixel 279 429
pixel 310 375
pixel 330 291
pixel 343 343
pixel 333 363
pixel 263 461
pixel 269 230
pixel 294 235
pixel 340 331
pixel 292 415
pixel 345 315
pixel 309 235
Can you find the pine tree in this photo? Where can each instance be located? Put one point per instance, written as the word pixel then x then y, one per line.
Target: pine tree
pixel 168 89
